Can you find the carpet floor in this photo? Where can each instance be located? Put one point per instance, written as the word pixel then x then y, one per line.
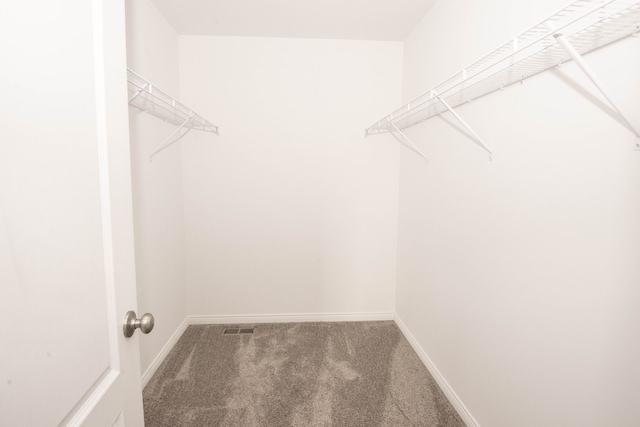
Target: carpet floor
pixel 346 374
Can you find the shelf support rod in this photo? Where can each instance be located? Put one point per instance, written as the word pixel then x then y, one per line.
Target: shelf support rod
pixel 407 140
pixel 579 60
pixel 139 92
pixel 463 123
pixel 167 142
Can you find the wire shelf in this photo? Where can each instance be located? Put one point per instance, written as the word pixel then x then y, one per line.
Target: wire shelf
pixel 149 98
pixel 586 24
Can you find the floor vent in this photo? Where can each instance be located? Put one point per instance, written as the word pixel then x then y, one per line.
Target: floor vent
pixel 237 331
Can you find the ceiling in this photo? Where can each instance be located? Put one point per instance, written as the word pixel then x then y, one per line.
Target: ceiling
pixel 320 19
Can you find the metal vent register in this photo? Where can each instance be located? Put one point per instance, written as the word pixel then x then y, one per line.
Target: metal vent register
pixel 237 331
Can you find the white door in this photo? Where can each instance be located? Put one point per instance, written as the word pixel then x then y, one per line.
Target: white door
pixel 67 273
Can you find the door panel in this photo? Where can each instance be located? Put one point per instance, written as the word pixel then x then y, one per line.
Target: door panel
pixel 66 243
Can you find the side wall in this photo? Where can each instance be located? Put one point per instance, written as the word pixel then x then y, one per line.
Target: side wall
pixel 290 210
pixel 152 52
pixel 519 277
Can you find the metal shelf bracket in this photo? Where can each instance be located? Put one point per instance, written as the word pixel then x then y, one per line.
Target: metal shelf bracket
pixel 586 69
pixel 463 123
pixel 406 139
pixel 169 141
pixel 142 89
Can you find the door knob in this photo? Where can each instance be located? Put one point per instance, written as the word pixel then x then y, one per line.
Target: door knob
pixel 145 323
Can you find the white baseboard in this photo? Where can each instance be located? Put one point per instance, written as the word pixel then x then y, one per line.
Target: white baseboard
pixel 285 318
pixel 163 353
pixel 446 388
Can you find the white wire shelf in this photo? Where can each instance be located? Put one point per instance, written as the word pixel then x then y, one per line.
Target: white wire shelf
pixel 586 24
pixel 147 97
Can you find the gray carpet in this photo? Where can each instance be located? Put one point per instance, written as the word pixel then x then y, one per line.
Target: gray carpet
pixel 296 374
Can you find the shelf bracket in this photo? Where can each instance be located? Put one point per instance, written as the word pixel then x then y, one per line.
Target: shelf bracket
pixel 463 123
pixel 579 60
pixel 406 139
pixel 139 92
pixel 167 142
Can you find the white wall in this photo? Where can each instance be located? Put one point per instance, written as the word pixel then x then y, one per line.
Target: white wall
pixel 519 277
pixel 152 52
pixel 290 210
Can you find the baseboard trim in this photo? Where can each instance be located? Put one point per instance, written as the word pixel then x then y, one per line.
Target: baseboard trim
pixel 286 318
pixel 163 353
pixel 444 385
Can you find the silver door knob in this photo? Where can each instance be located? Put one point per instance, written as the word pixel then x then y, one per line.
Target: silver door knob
pixel 145 323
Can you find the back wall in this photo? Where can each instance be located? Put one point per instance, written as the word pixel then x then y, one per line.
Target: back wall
pixel 290 210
